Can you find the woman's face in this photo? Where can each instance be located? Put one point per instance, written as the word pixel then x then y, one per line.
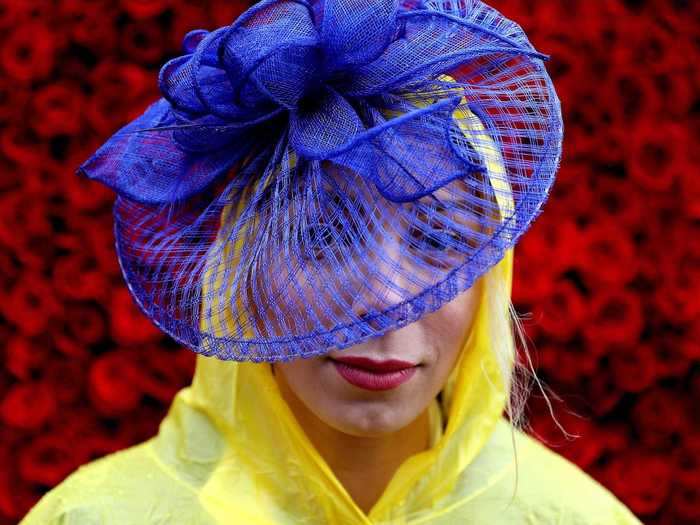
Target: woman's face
pixel 357 399
pixel 362 390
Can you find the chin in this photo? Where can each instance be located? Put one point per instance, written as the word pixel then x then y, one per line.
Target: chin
pixel 370 421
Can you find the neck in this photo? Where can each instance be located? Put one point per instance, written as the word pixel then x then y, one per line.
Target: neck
pixel 363 465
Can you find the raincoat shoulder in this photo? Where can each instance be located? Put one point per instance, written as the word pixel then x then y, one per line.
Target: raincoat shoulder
pixel 134 486
pixel 231 452
pixel 541 487
pixel 127 487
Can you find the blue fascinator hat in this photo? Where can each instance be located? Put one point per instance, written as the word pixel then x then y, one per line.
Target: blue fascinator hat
pixel 320 172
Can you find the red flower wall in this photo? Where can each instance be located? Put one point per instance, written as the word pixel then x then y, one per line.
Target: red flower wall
pixel 610 273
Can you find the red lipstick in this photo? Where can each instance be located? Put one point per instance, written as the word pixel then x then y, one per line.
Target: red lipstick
pixel 374 375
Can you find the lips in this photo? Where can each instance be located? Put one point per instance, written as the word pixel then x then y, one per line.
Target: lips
pixel 374 375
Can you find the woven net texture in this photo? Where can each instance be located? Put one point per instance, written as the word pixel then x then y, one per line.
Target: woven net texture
pixel 319 173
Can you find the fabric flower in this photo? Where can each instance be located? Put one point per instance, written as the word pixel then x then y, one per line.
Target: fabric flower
pixel 287 72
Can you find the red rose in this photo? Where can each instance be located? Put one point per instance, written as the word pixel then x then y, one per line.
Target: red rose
pixel 585 112
pixel 16 498
pixel 30 304
pixel 21 145
pixel 633 365
pixel 568 362
pixel 561 244
pixel 638 96
pixel 530 283
pixel 614 437
pixel 28 405
pixel 690 197
pixel 615 317
pixel 13 103
pixel 655 155
pixel 59 110
pixel 184 360
pixel 85 21
pixel 23 216
pixel 127 79
pixel 563 311
pixel 35 251
pixel 659 417
pixel 100 238
pixel 680 16
pixel 27 54
pixel 602 391
pixel 685 502
pixel 187 17
pixel 159 374
pixel 85 423
pixel 686 460
pixel 603 248
pixel 640 480
pixel 43 182
pixel 9 268
pixel 122 92
pixel 689 341
pixel 223 14
pixel 571 195
pixel 620 202
pixel 112 383
pixel 670 358
pixel 145 426
pixel 565 70
pixel 49 458
pixel 579 441
pixel 14 13
pixel 557 245
pixel 143 9
pixel 25 356
pixel 129 324
pixel 66 378
pixel 677 295
pixel 84 195
pixel 86 322
pixel 65 342
pixel 78 274
pixel 143 41
pixel 650 43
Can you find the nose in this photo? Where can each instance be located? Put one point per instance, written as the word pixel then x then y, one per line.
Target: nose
pixel 385 282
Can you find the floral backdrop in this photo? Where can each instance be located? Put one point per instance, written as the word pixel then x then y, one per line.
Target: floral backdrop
pixel 608 278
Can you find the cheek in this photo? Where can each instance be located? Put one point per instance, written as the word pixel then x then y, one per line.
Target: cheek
pixel 302 379
pixel 445 332
pixel 449 326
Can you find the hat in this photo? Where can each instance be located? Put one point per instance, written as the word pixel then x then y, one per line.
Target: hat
pixel 321 172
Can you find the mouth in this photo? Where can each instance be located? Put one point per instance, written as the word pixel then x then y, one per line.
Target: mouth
pixel 369 374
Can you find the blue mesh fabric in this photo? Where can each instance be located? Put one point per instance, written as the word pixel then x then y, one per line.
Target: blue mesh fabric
pixel 320 172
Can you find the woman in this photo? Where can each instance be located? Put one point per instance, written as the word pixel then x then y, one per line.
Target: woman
pixel 335 188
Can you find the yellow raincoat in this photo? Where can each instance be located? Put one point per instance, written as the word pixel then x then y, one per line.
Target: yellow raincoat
pixel 231 452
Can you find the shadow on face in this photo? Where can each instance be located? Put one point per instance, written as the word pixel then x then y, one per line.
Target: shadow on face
pixel 338 248
pixel 409 248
